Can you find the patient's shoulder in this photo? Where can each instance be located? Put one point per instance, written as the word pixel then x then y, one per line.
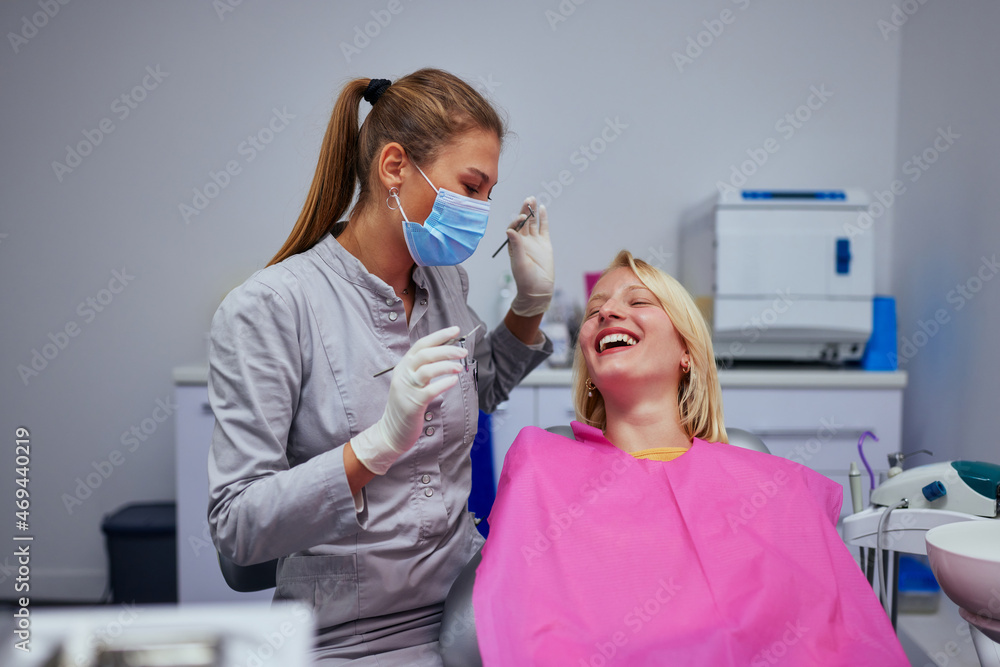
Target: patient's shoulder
pixel 749 467
pixel 541 450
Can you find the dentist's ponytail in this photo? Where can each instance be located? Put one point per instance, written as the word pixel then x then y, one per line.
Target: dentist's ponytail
pixel 422 111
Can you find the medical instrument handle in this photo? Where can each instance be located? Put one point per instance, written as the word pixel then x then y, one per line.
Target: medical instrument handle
pixel 426 371
pixel 453 341
pixel 530 215
pixel 896 458
pixel 855 479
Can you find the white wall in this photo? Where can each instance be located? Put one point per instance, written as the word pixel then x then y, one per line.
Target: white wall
pixel 684 130
pixel 947 232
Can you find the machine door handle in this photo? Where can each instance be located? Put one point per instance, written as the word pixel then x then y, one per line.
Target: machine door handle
pixel 843 256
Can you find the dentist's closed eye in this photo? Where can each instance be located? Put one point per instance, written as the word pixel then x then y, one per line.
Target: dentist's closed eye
pixel 475 191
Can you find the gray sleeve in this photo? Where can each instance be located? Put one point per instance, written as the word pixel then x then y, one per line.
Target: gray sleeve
pixel 502 359
pixel 260 508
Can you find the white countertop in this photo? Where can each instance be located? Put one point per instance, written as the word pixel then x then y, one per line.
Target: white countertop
pixel 818 378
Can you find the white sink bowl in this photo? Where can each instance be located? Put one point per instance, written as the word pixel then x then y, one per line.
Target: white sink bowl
pixel 965 558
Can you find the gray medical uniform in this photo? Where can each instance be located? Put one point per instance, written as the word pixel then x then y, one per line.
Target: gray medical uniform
pixel 292 355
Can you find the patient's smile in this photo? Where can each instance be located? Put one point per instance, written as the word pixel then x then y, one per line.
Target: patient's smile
pixel 616 339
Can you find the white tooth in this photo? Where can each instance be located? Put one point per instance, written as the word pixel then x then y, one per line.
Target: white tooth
pixel 616 338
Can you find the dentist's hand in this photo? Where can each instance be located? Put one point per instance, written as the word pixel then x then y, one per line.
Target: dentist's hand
pixel 425 372
pixel 531 261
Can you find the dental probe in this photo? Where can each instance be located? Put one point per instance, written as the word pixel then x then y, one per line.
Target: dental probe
pixel 452 341
pixel 530 215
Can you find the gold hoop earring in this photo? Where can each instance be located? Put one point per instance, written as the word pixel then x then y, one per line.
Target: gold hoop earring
pixel 589 384
pixel 686 367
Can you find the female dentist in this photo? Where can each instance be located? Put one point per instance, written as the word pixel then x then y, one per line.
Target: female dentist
pixel 356 480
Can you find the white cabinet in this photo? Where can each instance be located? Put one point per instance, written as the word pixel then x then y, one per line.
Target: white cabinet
pixel 199 578
pixel 814 417
pixel 820 427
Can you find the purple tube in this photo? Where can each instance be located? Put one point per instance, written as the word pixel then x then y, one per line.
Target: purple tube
pixel 861 440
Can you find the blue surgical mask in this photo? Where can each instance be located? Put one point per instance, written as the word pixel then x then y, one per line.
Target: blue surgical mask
pixel 451 232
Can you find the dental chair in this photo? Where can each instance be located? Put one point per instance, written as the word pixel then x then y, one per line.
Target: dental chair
pixel 458 644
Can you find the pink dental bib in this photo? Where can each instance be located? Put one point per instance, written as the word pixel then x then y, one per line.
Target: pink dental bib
pixel 724 556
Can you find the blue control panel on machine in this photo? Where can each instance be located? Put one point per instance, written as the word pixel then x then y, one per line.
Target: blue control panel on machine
pixel 828 195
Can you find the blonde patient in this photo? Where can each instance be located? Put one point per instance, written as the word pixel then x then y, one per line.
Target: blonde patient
pixel 623 544
pixel 644 371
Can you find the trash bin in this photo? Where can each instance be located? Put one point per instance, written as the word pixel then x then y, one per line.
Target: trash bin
pixel 142 552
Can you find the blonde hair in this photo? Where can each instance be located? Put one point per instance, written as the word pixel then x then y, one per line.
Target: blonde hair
pixel 423 112
pixel 699 396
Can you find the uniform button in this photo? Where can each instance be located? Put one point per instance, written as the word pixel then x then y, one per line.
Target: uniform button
pixel 393 316
pixel 390 300
pixel 428 416
pixel 426 479
pixel 429 430
pixel 428 492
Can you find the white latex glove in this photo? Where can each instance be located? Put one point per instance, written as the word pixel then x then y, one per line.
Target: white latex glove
pixel 531 261
pixel 426 371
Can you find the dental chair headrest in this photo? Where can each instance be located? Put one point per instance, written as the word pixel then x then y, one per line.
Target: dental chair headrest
pixel 746 440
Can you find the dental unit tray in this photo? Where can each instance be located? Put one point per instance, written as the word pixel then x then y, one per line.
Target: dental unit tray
pixel 904 531
pixel 936 494
pixel 970 487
